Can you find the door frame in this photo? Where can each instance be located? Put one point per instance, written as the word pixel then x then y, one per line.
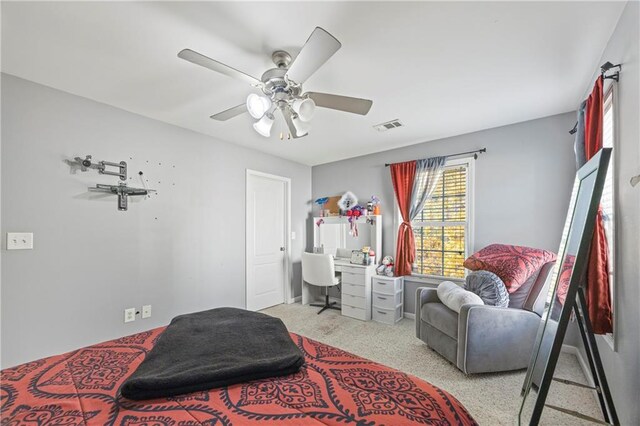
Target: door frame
pixel 287 290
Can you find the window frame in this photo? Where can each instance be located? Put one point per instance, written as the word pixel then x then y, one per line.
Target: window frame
pixel 470 222
pixel 609 101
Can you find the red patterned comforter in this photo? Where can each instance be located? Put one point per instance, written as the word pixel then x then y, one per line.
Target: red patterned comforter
pixel 333 387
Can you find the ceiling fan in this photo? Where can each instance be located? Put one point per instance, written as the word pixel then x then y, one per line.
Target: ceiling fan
pixel 282 87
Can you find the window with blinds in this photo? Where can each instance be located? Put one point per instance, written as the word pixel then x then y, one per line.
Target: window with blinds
pixel 607 201
pixel 441 229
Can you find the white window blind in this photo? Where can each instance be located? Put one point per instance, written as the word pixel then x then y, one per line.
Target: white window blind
pixel 441 229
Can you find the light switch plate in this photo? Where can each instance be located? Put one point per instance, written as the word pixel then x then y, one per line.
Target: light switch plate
pixel 129 314
pixel 293 235
pixel 19 240
pixel 146 311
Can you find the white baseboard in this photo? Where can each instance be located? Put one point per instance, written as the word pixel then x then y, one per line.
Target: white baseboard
pixel 409 315
pixel 583 362
pixel 297 299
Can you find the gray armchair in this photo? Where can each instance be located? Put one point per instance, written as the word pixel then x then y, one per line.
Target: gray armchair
pixel 483 339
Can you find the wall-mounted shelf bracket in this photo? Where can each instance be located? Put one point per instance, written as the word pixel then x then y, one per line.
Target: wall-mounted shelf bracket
pixel 101 167
pixel 122 191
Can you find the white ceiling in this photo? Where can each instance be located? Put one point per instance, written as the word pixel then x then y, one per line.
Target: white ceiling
pixel 443 68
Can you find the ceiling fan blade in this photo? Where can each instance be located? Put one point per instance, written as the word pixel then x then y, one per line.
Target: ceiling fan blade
pixel 286 113
pixel 342 103
pixel 316 51
pixel 212 64
pixel 230 113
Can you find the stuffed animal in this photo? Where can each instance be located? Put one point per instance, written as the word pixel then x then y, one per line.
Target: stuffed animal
pixel 388 271
pixel 386 267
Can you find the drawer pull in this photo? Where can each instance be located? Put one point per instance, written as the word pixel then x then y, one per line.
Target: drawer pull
pixel 381 283
pixel 382 298
pixel 381 312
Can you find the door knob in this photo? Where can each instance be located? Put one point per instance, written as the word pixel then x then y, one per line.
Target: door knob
pixel 281 248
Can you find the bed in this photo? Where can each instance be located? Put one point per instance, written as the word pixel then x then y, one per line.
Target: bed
pixel 333 387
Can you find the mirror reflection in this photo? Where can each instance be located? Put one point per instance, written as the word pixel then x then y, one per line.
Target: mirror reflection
pixel 557 309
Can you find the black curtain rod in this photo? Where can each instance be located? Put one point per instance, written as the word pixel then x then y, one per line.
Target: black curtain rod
pixel 603 69
pixel 475 155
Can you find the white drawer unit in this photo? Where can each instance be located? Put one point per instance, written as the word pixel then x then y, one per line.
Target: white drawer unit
pixel 386 316
pixel 354 301
pixel 356 291
pixel 387 299
pixel 357 313
pixel 351 278
pixel 387 285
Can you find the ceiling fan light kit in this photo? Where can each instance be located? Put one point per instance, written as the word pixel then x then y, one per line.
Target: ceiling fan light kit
pixel 264 125
pixel 302 128
pixel 258 105
pixel 304 108
pixel 282 87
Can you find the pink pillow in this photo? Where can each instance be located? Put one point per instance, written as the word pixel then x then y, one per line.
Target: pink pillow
pixel 513 264
pixel 565 278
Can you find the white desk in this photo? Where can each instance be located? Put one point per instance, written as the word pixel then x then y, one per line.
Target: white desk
pixel 355 283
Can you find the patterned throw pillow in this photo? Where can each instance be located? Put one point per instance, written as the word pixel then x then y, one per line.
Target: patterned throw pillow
pixel 489 287
pixel 565 278
pixel 513 264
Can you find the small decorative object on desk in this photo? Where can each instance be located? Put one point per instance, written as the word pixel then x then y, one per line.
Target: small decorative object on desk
pixel 386 268
pixel 353 216
pixel 375 203
pixel 367 259
pixel 357 257
pixel 322 202
pixel 347 201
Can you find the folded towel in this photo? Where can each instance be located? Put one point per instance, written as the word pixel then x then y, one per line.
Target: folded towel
pixel 214 348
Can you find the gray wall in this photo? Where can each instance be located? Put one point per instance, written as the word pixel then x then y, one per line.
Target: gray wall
pixel 180 251
pixel 522 183
pixel 623 366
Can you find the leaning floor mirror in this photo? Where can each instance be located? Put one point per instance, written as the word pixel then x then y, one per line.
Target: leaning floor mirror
pixel 566 295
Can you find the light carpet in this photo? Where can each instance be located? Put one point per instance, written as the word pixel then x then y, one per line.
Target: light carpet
pixel 492 399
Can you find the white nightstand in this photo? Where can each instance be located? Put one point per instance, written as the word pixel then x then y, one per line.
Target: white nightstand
pixel 387 299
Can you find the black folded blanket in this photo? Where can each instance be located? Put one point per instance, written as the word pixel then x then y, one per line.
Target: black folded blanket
pixel 214 348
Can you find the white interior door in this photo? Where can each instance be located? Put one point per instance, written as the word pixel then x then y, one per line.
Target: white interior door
pixel 267 242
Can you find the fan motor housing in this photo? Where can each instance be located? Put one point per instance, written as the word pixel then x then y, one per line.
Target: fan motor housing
pixel 275 82
pixel 281 58
pixel 274 77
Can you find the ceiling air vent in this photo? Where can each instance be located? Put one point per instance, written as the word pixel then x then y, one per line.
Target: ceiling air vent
pixel 383 127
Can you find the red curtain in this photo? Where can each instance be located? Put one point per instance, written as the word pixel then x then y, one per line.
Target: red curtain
pixel 403 176
pixel 597 288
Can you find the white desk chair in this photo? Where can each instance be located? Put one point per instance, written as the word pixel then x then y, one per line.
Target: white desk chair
pixel 319 270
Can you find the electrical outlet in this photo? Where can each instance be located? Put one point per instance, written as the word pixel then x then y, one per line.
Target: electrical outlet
pixel 19 240
pixel 146 311
pixel 129 314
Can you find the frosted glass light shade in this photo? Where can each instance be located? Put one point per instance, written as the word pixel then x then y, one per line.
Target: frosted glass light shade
pixel 258 105
pixel 302 128
pixel 304 108
pixel 264 125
